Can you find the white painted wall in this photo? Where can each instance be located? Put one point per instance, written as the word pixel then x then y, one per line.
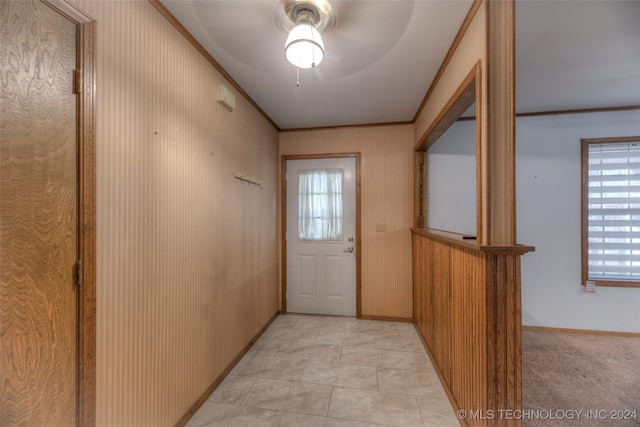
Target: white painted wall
pixel 451 180
pixel 548 188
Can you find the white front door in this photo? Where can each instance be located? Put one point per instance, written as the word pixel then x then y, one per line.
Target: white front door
pixel 321 239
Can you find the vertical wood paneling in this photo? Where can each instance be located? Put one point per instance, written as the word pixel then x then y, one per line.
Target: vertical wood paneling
pixel 469 376
pixel 467 309
pixel 386 198
pixel 504 357
pixel 187 271
pixel 500 162
pixel 448 309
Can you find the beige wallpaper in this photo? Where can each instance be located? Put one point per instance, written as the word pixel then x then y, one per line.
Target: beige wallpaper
pixel 472 48
pixel 187 272
pixel 387 198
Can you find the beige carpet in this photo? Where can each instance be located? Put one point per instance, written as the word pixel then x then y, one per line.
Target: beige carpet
pixel 564 374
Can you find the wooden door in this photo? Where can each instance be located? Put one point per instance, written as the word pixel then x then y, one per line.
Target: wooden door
pixel 321 263
pixel 38 216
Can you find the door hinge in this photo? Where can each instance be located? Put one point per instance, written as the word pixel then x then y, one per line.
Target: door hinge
pixel 79 272
pixel 77 81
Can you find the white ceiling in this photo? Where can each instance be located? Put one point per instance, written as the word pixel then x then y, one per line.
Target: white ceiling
pixel 577 54
pixel 382 56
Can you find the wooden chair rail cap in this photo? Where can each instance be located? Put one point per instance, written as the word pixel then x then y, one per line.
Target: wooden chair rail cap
pixel 469 242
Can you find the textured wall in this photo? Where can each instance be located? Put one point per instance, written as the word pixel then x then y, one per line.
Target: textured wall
pixel 187 271
pixel 386 197
pixel 472 48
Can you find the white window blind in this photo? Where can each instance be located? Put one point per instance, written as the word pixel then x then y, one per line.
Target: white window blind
pixel 320 205
pixel 613 211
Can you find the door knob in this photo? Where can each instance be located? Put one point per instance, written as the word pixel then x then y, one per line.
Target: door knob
pixel 348 250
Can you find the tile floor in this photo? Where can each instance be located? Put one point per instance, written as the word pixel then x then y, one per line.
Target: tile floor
pixel 334 372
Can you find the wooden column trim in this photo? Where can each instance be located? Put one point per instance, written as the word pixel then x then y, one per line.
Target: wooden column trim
pixel 87 303
pixel 498 163
pixel 420 189
pixel 462 241
pixel 86 137
pixel 504 338
pixel 480 106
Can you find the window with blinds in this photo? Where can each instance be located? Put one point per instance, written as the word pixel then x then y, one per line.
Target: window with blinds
pixel 611 211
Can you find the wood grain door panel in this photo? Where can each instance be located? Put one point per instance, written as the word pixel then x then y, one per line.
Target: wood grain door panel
pixel 38 216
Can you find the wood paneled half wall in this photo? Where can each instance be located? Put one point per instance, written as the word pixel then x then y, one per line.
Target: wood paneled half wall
pixel 467 304
pixel 467 311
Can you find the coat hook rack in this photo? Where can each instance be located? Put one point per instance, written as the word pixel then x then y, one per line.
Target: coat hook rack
pixel 249 179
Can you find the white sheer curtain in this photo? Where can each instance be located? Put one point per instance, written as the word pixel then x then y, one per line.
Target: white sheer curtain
pixel 320 205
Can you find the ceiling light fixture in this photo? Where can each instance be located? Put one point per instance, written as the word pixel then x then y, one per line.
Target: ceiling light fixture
pixel 304 47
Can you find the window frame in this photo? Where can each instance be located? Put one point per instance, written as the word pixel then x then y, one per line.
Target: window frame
pixel 585 214
pixel 340 237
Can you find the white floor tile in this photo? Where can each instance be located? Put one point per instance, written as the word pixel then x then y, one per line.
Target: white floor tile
pixel 221 415
pixel 375 407
pixel 316 371
pixel 341 374
pixel 312 399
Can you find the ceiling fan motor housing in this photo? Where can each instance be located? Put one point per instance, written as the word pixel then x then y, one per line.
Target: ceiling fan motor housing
pixel 318 13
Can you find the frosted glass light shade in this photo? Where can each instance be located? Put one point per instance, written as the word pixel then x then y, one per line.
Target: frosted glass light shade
pixel 304 47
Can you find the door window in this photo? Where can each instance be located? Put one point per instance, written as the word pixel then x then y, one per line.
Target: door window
pixel 320 205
